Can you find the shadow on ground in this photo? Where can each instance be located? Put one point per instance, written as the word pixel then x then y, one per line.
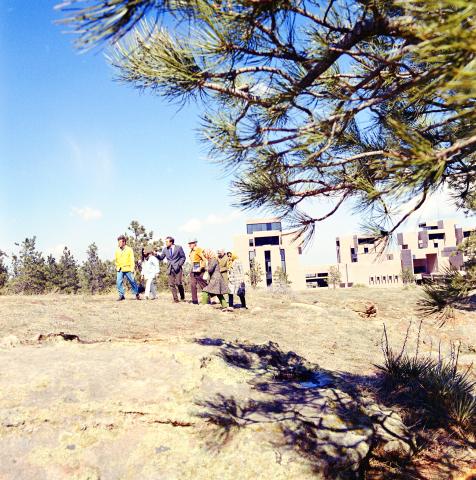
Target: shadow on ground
pixel 329 419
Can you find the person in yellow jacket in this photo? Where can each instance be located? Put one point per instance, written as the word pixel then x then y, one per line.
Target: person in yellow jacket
pixel 125 268
pixel 198 262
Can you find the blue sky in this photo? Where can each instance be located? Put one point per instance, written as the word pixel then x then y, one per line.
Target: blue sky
pixel 82 155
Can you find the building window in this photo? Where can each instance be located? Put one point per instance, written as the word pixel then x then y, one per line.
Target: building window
pixel 390 256
pixel 424 226
pixel 251 242
pixel 378 280
pixel 267 267
pixel 299 250
pixel 262 241
pixel 251 256
pixel 371 280
pixel 367 240
pixel 435 244
pixel 263 227
pixel 390 279
pixel 405 247
pixel 396 278
pixel 366 249
pixel 283 259
pixel 436 236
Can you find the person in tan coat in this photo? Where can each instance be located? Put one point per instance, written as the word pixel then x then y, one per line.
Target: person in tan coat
pixel 216 284
pixel 223 263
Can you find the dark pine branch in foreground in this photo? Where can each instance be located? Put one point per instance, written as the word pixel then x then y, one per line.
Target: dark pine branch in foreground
pixel 371 103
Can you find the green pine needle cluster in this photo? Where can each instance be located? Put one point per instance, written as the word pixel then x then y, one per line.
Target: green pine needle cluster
pixel 371 103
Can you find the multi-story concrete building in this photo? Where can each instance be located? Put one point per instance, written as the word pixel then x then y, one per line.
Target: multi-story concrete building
pixel 425 253
pixel 360 260
pixel 433 248
pixel 267 244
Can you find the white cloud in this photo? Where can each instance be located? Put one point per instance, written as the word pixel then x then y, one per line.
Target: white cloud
pixel 194 225
pixel 438 206
pixel 261 89
pixel 86 213
pixel 191 226
pixel 56 251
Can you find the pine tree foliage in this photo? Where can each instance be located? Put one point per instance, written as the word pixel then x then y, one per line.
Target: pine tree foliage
pixel 68 273
pixel 3 270
pixel 138 238
pixel 96 275
pixel 280 278
pixel 255 273
pixel 455 289
pixel 29 269
pixel 53 278
pixel 371 103
pixel 334 276
pixel 407 276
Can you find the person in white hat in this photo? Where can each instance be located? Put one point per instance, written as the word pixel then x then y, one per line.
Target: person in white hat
pixel 198 262
pixel 150 268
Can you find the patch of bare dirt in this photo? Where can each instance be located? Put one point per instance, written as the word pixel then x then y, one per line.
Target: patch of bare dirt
pixel 95 389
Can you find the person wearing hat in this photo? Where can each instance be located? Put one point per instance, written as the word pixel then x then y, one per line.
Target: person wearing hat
pixel 198 262
pixel 175 257
pixel 124 259
pixel 236 276
pixel 217 285
pixel 150 268
pixel 223 264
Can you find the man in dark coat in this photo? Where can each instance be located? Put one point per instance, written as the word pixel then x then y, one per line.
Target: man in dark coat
pixel 175 257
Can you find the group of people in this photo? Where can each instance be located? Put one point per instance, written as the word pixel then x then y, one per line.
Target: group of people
pixel 217 274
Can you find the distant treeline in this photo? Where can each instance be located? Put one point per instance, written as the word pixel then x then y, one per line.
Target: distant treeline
pixel 29 272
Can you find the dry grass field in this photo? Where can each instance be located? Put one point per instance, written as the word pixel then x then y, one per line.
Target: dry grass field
pixel 157 390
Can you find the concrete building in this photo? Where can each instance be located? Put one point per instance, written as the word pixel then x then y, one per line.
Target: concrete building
pixel 359 260
pixel 267 244
pixel 426 253
pixel 433 248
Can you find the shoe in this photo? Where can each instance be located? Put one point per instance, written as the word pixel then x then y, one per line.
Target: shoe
pixel 195 303
pixel 138 296
pixel 120 299
pixel 176 301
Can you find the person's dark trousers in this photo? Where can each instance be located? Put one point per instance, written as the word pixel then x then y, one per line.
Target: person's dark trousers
pixel 242 300
pixel 196 279
pixel 175 282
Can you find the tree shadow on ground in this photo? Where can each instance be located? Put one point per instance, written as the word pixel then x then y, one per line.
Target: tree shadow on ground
pixel 331 419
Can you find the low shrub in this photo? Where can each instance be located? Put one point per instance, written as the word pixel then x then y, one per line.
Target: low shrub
pixel 435 387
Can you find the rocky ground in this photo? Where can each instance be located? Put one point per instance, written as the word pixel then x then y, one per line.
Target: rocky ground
pixel 95 389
